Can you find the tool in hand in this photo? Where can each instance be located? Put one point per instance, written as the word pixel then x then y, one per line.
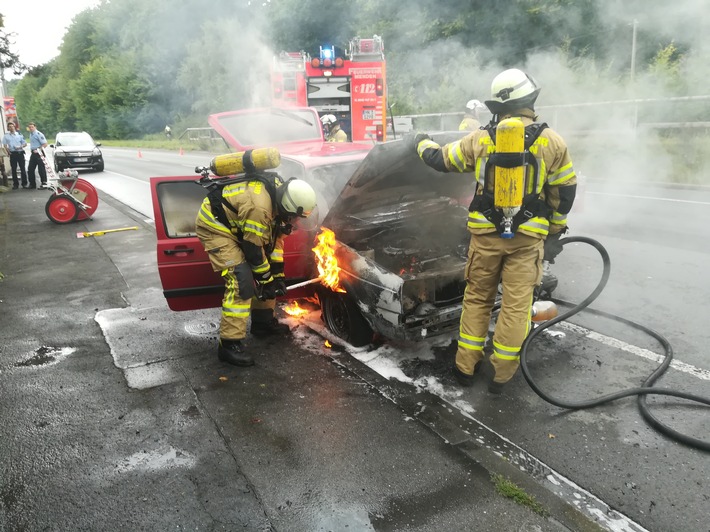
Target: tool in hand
pixel 304 283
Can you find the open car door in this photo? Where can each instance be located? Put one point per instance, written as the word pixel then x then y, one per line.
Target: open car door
pixel 189 283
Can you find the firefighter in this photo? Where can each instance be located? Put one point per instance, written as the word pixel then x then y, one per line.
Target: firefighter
pixel 242 227
pixel 515 262
pixel 471 116
pixel 333 133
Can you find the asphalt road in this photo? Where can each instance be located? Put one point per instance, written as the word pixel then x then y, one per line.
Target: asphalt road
pixel 605 459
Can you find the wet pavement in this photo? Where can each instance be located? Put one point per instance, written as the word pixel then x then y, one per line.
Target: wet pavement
pixel 116 414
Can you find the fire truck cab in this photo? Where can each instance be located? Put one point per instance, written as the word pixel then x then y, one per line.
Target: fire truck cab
pixel 353 87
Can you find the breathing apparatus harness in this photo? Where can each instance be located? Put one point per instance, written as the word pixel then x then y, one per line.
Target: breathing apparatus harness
pixel 271 181
pixel 646 387
pixel 532 204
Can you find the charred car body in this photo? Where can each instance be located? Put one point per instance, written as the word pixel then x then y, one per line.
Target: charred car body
pixel 403 245
pixel 400 226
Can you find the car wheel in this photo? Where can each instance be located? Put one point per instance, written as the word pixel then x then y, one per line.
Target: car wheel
pixel 99 167
pixel 344 319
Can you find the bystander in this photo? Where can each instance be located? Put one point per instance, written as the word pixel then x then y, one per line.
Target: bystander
pixel 15 143
pixel 37 145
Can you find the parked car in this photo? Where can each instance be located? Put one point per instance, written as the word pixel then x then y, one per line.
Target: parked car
pixel 76 150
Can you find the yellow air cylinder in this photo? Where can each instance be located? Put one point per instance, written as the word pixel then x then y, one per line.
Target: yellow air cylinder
pixel 509 182
pixel 240 162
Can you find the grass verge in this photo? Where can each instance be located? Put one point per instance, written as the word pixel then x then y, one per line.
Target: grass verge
pixel 512 491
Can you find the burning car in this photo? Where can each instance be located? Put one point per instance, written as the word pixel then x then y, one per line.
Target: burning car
pixel 400 228
pixel 402 245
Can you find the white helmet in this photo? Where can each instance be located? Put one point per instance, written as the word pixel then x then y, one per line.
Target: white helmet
pixel 328 120
pixel 512 89
pixel 296 198
pixel 474 105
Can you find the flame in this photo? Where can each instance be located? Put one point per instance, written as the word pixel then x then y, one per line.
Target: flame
pixel 328 344
pixel 293 309
pixel 328 268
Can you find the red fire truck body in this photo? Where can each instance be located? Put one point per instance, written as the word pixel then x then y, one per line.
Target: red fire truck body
pixel 353 88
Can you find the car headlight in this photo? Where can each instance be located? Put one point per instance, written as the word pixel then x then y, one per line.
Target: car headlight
pixel 96 152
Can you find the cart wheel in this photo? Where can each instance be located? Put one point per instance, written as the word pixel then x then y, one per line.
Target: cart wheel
pixel 86 193
pixel 61 209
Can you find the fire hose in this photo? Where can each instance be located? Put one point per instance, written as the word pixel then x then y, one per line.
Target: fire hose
pixel 646 388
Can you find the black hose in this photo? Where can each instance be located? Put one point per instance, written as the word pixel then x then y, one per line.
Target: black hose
pixel 645 389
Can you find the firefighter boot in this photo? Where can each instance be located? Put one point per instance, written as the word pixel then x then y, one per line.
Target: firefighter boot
pixel 264 323
pixel 464 379
pixel 232 352
pixel 493 386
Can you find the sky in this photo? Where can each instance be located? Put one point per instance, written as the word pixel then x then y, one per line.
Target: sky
pixel 39 28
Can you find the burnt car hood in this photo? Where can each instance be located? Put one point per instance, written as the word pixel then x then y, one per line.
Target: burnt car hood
pixel 393 181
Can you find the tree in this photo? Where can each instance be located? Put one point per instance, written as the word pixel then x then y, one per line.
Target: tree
pixel 8 58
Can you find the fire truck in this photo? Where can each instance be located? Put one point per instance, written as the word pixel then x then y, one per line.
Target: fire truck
pixel 353 88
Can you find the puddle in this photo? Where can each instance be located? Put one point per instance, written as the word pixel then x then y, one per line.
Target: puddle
pixel 46 356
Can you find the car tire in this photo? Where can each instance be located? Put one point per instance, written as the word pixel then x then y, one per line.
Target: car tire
pixel 99 167
pixel 344 319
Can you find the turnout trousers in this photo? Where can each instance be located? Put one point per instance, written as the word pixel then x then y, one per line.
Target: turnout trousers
pixel 228 259
pixel 517 264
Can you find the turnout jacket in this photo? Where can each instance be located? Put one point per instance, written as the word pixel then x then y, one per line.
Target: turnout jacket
pixel 557 182
pixel 337 135
pixel 252 224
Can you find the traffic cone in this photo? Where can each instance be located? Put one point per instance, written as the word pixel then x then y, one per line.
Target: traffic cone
pixel 181 152
pixel 140 155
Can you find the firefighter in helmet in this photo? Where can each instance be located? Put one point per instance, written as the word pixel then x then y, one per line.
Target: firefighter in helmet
pixel 471 116
pixel 517 262
pixel 243 229
pixel 333 133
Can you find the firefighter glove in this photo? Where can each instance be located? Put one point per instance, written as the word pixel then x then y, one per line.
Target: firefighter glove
pixel 418 138
pixel 275 287
pixel 553 247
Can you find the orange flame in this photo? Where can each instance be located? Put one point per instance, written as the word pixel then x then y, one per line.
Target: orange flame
pixel 328 268
pixel 294 309
pixel 328 344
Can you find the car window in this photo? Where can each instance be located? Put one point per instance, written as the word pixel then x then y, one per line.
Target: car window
pixel 74 139
pixel 180 202
pixel 327 180
pixel 272 126
pixel 330 179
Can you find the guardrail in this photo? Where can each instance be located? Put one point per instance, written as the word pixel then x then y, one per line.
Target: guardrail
pixel 566 116
pixel 196 134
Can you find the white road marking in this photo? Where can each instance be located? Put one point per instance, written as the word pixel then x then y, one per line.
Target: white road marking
pixel 635 350
pixel 649 198
pixel 127 177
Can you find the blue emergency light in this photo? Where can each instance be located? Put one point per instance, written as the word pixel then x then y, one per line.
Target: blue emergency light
pixel 327 53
